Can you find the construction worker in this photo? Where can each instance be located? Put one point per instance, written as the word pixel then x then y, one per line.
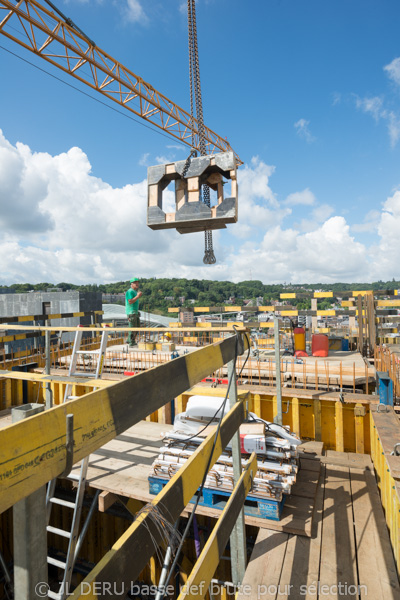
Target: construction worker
pixel 132 308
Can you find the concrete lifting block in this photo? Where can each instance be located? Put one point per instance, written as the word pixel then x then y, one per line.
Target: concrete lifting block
pixel 191 214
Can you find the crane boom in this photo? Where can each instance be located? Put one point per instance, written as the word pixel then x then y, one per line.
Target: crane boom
pixel 44 33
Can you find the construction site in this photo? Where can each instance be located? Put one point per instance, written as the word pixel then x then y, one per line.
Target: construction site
pixel 224 452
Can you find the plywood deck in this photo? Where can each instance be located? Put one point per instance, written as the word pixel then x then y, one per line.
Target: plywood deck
pixel 122 467
pixel 348 555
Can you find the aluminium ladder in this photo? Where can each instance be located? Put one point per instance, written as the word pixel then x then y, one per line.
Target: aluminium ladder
pixel 95 365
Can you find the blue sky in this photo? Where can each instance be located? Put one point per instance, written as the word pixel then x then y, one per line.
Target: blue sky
pixel 307 93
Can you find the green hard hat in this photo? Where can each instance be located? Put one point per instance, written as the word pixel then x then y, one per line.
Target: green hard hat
pixel 134 279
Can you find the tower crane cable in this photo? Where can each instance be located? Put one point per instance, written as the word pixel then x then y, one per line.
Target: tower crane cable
pixel 70 22
pixel 195 92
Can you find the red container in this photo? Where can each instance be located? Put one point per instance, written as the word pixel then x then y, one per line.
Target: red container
pixel 319 344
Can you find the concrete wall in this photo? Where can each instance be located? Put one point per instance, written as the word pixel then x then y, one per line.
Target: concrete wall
pixel 12 305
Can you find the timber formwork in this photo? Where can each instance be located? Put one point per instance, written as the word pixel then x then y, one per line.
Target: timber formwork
pixel 350 424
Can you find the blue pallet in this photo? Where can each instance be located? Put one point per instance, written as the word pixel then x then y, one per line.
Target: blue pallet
pixel 253 506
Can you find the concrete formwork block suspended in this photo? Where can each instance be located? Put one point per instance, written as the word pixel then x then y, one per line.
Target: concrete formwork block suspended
pixel 191 214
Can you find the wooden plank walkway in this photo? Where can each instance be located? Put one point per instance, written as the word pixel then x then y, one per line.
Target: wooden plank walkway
pixel 348 555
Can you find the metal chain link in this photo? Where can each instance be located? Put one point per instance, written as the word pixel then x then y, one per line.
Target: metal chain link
pixel 195 89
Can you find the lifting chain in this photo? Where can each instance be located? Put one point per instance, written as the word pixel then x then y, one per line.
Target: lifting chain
pixel 195 91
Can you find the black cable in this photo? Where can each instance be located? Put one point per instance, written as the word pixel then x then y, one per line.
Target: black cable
pixel 178 442
pixel 89 96
pixel 70 22
pixel 187 528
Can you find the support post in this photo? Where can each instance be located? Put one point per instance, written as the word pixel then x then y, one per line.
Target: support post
pixel 49 395
pixel 278 418
pixel 35 340
pixel 29 532
pixel 238 535
pixel 93 323
pixel 314 319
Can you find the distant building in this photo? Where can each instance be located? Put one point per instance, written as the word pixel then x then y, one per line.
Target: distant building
pixel 113 298
pixel 40 304
pixel 186 315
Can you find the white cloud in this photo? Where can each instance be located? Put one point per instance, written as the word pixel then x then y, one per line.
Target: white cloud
pixel 259 207
pixel 370 223
pixel 305 197
pixel 72 226
pixel 134 12
pixel 178 147
pixel 322 212
pixel 163 159
pixel 375 107
pixel 303 131
pixel 393 70
pixel 393 125
pixel 144 159
pixel 327 254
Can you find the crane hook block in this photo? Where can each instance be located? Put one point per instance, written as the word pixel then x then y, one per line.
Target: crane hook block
pixel 191 213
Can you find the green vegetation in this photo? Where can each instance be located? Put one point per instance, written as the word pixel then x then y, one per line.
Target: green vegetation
pixel 159 294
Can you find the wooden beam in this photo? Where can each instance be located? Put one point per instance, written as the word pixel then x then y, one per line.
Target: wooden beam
pixel 131 553
pixel 42 378
pixel 33 451
pixel 200 578
pixel 19 319
pixel 106 499
pixel 339 431
pixel 90 329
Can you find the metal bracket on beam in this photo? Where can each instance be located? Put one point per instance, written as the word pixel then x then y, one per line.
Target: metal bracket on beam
pixel 69 445
pixel 395 451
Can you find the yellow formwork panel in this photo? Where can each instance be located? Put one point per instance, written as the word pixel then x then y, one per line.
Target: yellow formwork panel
pixel 328 421
pixel 340 426
pixel 388 303
pixel 389 487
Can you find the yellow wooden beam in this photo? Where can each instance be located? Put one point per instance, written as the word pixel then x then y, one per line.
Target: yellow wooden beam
pixel 359 413
pixel 296 415
pixel 130 554
pixel 339 430
pixel 381 303
pixel 33 451
pixel 111 329
pixel 200 578
pixel 42 378
pixel 317 420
